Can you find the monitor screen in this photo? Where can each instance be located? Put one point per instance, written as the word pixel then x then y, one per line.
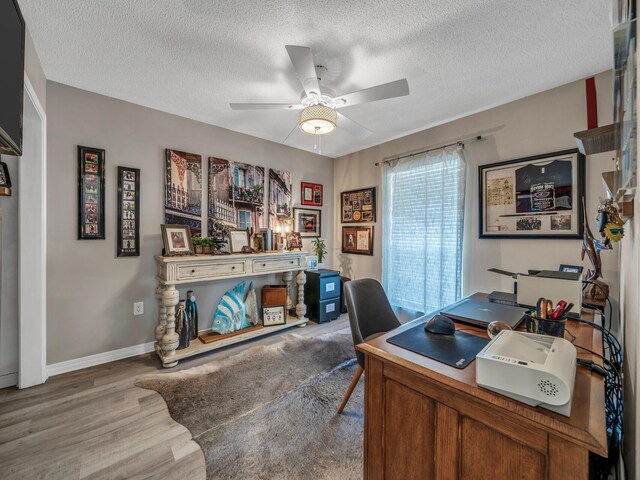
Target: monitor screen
pixel 11 77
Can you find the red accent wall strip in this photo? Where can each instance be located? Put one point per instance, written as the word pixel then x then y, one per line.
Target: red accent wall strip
pixel 592 104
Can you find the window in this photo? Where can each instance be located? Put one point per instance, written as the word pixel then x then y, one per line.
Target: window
pixel 422 230
pixel 244 219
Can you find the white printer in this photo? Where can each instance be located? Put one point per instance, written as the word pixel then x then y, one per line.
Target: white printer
pixel 538 370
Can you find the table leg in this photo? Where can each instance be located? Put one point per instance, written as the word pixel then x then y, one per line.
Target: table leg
pixel 170 339
pixel 301 308
pixel 162 318
pixel 287 277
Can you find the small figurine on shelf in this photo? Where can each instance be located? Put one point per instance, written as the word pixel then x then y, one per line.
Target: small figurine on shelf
pixel 294 240
pixel 192 313
pixel 219 235
pixel 182 325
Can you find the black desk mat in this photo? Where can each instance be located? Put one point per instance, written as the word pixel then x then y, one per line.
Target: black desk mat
pixel 457 350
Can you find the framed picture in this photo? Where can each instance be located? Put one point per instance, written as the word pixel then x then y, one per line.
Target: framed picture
pixel 357 240
pixel 570 268
pixel 183 189
pixel 307 221
pixel 537 196
pixel 238 239
pixel 274 316
pixel 280 189
pixel 5 180
pixel 177 240
pixel 91 193
pixel 128 206
pixel 312 262
pixel 358 206
pixel 294 240
pixel 311 194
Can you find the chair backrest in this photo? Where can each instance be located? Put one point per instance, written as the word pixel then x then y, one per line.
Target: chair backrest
pixel 369 311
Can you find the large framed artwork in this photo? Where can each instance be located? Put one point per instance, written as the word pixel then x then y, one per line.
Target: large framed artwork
pixel 357 240
pixel 358 206
pixel 279 196
pixel 307 221
pixel 128 205
pixel 183 189
pixel 91 193
pixel 537 196
pixel 236 193
pixel 311 194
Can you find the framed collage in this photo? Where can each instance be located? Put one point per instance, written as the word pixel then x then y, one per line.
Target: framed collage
pixel 91 193
pixel 537 196
pixel 128 206
pixel 358 206
pixel 311 194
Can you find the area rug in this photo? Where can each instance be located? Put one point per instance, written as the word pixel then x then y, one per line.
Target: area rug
pixel 271 411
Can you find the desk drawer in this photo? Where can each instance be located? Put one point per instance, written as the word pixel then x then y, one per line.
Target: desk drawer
pixel 276 265
pixel 187 272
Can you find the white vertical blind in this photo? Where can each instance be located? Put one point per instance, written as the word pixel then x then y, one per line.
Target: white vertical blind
pixel 422 229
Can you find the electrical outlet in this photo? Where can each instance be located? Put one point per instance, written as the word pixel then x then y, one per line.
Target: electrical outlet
pixel 138 308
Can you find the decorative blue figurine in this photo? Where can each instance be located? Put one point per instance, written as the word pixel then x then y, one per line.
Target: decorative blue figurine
pixel 182 325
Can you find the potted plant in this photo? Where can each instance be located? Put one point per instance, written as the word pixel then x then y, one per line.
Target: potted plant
pixel 198 245
pixel 320 249
pixel 208 245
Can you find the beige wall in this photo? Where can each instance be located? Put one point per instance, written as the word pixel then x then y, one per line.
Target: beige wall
pixel 537 124
pixel 90 292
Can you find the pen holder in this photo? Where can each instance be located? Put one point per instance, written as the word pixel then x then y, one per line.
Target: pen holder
pixel 544 326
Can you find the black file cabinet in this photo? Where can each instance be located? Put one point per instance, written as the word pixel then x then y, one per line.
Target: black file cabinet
pixel 322 295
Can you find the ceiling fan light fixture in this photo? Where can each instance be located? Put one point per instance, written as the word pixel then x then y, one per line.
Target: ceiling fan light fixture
pixel 318 120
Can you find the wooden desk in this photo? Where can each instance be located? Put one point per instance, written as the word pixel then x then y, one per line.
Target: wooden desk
pixel 424 420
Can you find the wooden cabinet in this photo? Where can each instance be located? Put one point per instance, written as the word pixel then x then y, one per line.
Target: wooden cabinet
pixel 425 420
pixel 174 271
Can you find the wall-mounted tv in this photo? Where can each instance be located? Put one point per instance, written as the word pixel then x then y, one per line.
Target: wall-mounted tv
pixel 11 77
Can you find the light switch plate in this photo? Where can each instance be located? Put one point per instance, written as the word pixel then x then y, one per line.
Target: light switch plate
pixel 138 308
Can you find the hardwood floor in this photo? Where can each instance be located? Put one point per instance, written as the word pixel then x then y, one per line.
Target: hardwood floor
pixel 94 423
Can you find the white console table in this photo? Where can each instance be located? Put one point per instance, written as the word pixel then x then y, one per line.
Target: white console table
pixel 174 271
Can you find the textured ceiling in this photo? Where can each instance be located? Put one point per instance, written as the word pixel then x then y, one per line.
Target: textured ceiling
pixel 193 57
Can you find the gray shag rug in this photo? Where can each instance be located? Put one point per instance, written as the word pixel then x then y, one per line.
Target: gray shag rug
pixel 271 411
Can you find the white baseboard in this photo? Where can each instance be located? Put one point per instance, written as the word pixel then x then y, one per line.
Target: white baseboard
pixel 8 380
pixel 99 358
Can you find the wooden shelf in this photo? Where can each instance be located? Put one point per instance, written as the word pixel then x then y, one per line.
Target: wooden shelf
pixel 622 201
pixel 596 140
pixel 197 347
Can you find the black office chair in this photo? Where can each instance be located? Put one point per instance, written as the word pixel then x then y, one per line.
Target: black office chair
pixel 370 315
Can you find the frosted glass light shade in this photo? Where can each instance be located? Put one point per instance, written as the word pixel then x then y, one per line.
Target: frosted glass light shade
pixel 318 120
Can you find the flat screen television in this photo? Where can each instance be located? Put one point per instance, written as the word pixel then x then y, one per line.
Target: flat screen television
pixel 11 77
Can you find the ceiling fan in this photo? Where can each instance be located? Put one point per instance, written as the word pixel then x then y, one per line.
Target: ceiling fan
pixel 318 104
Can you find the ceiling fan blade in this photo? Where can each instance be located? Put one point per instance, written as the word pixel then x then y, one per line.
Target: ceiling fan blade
pixel 352 127
pixel 305 68
pixel 399 88
pixel 265 106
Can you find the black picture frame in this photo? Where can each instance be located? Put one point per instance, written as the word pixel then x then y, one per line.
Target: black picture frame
pixel 277 309
pixel 543 219
pixel 182 234
pixel 299 225
pixel 358 206
pixel 128 206
pixel 91 177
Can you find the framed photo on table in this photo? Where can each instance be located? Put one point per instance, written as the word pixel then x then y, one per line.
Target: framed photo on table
pixel 358 206
pixel 128 205
pixel 311 194
pixel 177 240
pixel 357 240
pixel 91 193
pixel 307 221
pixel 533 197
pixel 237 240
pixel 274 316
